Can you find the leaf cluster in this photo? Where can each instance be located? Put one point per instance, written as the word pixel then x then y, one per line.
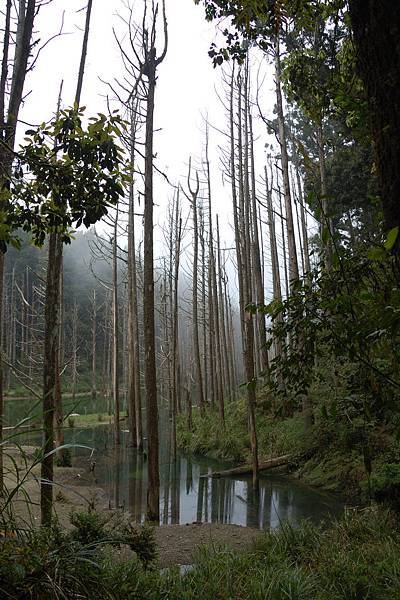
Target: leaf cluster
pixel 350 313
pixel 66 174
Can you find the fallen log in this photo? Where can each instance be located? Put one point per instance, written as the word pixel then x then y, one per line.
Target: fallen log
pixel 271 463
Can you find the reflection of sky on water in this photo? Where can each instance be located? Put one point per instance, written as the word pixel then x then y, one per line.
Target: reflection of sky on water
pixel 186 496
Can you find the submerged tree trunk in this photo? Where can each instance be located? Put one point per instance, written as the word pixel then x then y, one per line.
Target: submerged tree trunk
pixel 150 373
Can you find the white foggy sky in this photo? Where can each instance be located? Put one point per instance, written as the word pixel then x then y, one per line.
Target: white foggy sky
pixel 185 89
pixel 186 79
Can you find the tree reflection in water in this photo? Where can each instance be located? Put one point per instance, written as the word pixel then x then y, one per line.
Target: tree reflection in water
pixel 188 495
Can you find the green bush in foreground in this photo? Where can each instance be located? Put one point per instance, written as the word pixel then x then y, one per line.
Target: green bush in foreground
pixel 51 563
pixel 356 558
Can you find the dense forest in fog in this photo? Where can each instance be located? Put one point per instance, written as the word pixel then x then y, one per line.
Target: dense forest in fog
pixel 199 299
pixel 87 321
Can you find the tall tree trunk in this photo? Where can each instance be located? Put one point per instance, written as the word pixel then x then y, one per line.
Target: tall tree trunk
pixel 256 256
pixel 223 335
pixel 242 236
pixel 132 307
pixel 303 219
pixel 326 221
pixel 52 304
pixel 150 373
pixel 195 307
pixel 8 131
pixel 115 336
pixel 376 31
pixel 293 265
pixel 211 311
pixel 83 53
pixel 175 323
pixel 94 349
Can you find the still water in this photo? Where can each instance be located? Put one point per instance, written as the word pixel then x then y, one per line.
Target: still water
pixel 187 493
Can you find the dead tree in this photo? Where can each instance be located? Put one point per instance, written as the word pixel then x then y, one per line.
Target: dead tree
pixel 256 259
pixel 194 192
pixel 94 348
pixel 241 210
pixel 8 125
pixel 293 264
pixel 147 63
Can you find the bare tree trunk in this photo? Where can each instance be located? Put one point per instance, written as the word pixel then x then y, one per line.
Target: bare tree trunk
pixel 221 303
pixel 303 220
pixel 215 341
pixel 196 345
pixel 132 306
pixel 115 336
pixel 285 262
pixel 83 53
pixel 326 219
pixel 242 236
pixel 150 373
pixel 175 322
pixel 276 279
pixel 94 349
pixel 136 354
pixel 256 255
pixel 203 303
pixel 293 265
pixel 8 131
pixel 52 304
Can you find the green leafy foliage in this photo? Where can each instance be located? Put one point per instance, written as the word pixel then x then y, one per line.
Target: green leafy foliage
pixel 66 174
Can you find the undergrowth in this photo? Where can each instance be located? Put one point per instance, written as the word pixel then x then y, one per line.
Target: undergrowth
pixel 354 559
pixel 329 455
pixel 208 437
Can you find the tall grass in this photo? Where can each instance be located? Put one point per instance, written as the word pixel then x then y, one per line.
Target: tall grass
pixel 355 559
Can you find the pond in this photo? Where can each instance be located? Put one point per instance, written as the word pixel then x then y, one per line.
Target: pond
pixel 187 493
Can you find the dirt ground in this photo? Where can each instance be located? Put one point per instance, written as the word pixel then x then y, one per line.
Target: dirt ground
pixel 177 544
pixel 75 490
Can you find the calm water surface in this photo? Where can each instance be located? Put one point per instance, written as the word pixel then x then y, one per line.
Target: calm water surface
pixel 187 495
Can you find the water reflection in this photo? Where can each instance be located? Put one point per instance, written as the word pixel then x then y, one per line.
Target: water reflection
pixel 187 495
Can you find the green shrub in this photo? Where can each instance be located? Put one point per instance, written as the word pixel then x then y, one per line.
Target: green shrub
pixel 142 541
pixel 385 484
pixel 89 527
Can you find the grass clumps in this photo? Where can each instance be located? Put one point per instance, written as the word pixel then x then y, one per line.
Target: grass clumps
pixel 355 558
pixel 51 563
